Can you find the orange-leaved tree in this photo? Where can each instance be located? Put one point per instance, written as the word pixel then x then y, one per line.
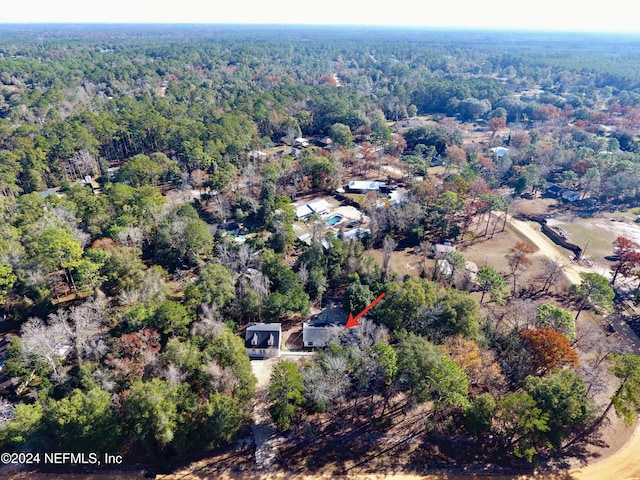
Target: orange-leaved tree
pixel 549 349
pixel 495 124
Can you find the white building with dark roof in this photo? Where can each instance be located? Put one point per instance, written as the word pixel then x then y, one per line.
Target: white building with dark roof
pixel 263 340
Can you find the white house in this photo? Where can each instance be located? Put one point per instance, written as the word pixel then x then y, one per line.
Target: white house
pixel 570 196
pixel 263 340
pixel 303 211
pixel 319 206
pixel 315 207
pixel 365 186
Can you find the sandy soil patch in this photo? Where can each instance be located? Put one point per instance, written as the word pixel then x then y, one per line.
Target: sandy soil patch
pixel 622 465
pixel 537 206
pixel 394 172
pixel 403 262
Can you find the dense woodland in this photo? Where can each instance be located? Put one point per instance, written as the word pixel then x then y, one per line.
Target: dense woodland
pixel 129 308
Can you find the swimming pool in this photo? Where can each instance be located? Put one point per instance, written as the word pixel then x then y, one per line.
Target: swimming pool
pixel 333 220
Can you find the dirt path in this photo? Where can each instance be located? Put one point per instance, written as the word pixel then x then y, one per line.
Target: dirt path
pixel 265 434
pixel 547 248
pixel 622 465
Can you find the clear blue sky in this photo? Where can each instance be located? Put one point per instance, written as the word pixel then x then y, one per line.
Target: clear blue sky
pixel 561 15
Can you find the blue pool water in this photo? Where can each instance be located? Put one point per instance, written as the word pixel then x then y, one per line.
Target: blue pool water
pixel 333 220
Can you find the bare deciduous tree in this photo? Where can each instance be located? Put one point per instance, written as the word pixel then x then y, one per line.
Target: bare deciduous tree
pixel 520 313
pixel 303 274
pixel 105 378
pixel 46 344
pixel 365 336
pixel 173 375
pixel 131 236
pixel 88 322
pixel 96 348
pixel 209 324
pixel 260 284
pixel 552 270
pixel 246 258
pixel 326 381
pixel 518 260
pixel 220 379
pixel 388 246
pixel 317 225
pixel 84 163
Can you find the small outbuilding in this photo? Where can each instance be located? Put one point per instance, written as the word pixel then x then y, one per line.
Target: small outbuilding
pixel 257 155
pixel 263 340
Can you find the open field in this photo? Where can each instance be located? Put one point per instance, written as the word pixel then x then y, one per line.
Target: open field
pixel 600 233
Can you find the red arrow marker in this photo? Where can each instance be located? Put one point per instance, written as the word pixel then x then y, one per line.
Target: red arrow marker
pixel 353 322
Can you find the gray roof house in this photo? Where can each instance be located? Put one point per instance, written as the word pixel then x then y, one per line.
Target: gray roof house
pixel 263 340
pixel 318 334
pixel 570 195
pixel 440 250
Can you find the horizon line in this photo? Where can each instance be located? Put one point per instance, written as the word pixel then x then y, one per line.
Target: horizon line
pixel 445 28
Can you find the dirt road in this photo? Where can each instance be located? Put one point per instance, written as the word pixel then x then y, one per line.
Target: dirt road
pixel 622 465
pixel 547 248
pixel 265 435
